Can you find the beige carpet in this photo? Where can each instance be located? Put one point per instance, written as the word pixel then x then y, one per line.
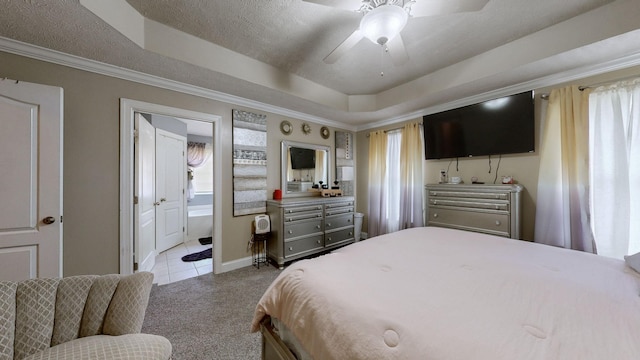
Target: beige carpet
pixel 208 317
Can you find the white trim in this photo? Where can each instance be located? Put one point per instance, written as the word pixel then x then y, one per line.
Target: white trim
pixel 76 62
pixel 237 264
pixel 56 57
pixel 550 80
pixel 127 109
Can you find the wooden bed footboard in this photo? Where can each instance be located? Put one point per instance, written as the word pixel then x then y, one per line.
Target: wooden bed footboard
pixel 273 348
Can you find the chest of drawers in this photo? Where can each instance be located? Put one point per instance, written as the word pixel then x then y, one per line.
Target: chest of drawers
pixel 306 226
pixel 491 209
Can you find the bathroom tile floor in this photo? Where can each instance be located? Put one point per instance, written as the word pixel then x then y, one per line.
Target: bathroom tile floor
pixel 170 267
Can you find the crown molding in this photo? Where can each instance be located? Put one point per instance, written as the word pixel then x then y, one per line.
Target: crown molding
pixel 57 57
pixel 546 81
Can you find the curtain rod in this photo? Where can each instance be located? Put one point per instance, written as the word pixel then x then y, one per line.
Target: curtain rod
pixel 545 96
pixel 581 88
pixel 394 129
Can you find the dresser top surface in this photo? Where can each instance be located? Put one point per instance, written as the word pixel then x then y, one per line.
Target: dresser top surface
pixel 475 187
pixel 308 200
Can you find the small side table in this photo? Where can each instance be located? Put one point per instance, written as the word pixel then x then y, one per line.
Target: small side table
pixel 259 249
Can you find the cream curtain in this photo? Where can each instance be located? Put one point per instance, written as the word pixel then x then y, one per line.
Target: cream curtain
pixel 562 210
pixel 411 183
pixel 614 115
pixel 377 179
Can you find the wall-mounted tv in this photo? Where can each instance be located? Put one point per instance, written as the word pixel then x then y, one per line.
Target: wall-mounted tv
pixel 302 158
pixel 495 127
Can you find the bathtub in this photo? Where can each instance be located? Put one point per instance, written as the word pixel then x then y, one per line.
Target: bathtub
pixel 199 221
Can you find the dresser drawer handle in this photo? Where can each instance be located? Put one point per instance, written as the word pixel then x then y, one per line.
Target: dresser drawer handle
pixel 328 213
pixel 435 202
pixel 329 224
pixel 498 223
pixel 318 241
pixel 435 215
pixel 290 231
pixel 329 239
pixel 350 233
pixel 317 226
pixel 348 220
pixel 290 248
pixel 319 215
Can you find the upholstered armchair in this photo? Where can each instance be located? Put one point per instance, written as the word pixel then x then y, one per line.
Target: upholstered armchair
pixel 78 317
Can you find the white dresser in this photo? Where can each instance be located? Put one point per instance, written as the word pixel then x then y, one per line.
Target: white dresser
pixel 305 226
pixel 491 209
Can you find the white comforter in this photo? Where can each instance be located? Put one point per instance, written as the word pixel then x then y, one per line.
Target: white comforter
pixel 435 293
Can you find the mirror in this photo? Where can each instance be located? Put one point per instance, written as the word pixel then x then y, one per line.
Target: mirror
pixel 303 166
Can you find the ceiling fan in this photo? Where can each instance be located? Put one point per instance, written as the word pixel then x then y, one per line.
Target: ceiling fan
pixel 383 20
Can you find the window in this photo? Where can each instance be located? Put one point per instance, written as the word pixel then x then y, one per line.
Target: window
pixel 203 177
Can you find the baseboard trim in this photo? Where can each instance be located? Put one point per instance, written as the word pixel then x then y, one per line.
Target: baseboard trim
pixel 236 264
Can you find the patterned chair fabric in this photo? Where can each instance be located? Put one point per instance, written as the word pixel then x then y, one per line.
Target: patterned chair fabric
pixel 78 317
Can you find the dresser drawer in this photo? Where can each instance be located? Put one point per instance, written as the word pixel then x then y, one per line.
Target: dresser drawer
pixel 338 221
pixel 338 204
pixel 336 237
pixel 302 209
pixel 300 217
pixel 468 194
pixel 470 203
pixel 337 211
pixel 300 228
pixel 487 222
pixel 300 246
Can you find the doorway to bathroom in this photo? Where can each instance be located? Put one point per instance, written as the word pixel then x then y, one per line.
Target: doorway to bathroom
pixel 170 173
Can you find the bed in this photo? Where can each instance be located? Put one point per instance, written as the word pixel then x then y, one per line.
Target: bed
pixel 437 293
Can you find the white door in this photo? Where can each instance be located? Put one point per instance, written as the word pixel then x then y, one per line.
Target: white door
pixel 171 173
pixel 30 180
pixel 145 195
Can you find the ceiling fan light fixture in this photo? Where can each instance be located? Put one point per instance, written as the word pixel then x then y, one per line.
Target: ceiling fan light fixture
pixel 383 23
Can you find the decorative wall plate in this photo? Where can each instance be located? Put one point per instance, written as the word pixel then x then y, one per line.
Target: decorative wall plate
pixel 286 127
pixel 324 132
pixel 306 129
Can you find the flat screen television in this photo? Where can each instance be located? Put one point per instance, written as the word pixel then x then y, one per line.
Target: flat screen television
pixel 495 127
pixel 302 158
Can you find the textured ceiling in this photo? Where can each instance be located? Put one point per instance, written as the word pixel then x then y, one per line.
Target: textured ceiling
pixel 293 37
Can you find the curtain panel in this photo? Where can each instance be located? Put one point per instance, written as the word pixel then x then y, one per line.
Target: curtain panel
pixel 614 115
pixel 198 153
pixel 562 211
pixel 377 179
pixel 411 183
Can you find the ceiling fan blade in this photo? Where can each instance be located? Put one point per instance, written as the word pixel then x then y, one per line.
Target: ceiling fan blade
pixel 439 7
pixel 397 51
pixel 350 42
pixel 352 5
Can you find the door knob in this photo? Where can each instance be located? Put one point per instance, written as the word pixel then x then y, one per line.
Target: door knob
pixel 163 199
pixel 49 220
pixel 156 204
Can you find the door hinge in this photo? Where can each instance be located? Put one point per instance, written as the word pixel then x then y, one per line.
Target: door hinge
pixel 61 219
pixel 135 200
pixel 182 191
pixel 183 229
pixel 135 266
pixel 135 135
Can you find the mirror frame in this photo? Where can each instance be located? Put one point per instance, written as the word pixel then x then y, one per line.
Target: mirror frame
pixel 285 145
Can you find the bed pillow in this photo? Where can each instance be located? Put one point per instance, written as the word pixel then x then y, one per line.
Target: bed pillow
pixel 633 261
